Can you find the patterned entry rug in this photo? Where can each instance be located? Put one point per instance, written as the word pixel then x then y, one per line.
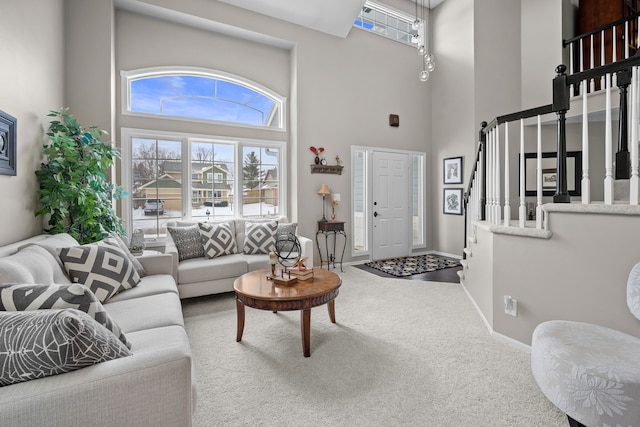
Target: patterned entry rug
pixel 407 266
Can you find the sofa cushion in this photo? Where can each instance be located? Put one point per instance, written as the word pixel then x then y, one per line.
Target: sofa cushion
pixel 187 240
pixel 260 237
pixel 38 344
pixel 117 241
pixel 104 269
pixel 31 264
pixel 149 285
pixel 202 269
pixel 17 297
pixel 217 239
pixel 153 311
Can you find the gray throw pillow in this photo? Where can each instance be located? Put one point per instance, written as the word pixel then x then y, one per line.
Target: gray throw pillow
pixel 104 269
pixel 28 297
pixel 282 234
pixel 42 343
pixel 217 239
pixel 187 240
pixel 260 237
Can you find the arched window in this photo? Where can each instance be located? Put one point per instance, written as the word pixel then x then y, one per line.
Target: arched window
pixel 200 94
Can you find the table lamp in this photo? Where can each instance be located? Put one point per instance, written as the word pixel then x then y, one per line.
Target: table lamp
pixel 324 190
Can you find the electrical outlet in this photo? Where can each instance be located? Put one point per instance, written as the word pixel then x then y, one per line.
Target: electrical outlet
pixel 510 306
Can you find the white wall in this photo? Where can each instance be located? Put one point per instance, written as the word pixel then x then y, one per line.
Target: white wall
pixel 453 130
pixel 32 75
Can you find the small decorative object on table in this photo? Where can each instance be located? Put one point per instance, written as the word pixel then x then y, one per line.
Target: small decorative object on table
pixel 273 259
pixel 288 252
pixel 335 201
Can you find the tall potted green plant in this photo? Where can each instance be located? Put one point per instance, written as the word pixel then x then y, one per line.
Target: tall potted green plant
pixel 74 189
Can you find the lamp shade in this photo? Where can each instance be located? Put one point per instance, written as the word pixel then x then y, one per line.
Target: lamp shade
pixel 335 198
pixel 324 190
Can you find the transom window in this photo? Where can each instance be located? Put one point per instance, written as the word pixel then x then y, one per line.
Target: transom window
pixel 386 21
pixel 202 95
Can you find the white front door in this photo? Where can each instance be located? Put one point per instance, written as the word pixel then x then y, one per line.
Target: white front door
pixel 390 198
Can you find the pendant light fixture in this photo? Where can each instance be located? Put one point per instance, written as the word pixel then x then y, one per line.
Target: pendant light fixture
pixel 428 61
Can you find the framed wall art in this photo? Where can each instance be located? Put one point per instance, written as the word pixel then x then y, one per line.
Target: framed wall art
pixel 549 179
pixel 7 144
pixel 452 170
pixel 452 201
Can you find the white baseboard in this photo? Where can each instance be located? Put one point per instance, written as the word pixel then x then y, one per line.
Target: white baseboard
pixel 515 343
pixel 444 254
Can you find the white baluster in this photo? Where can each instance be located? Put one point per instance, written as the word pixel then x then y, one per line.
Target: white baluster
pixel 581 55
pixel 497 214
pixel 507 207
pixel 492 174
pixel 602 58
pixel 608 146
pixel 571 53
pixel 626 40
pixel 614 54
pixel 539 177
pixel 489 178
pixel 592 82
pixel 634 185
pixel 522 214
pixel 586 185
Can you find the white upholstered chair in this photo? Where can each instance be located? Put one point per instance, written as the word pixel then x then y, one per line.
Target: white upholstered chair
pixel 590 372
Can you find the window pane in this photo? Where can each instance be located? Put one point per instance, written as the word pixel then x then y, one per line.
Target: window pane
pixel 212 189
pixel 359 194
pixel 418 200
pixel 156 188
pixel 205 98
pixel 260 181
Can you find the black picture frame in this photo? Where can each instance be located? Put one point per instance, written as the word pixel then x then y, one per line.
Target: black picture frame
pixel 452 201
pixel 549 164
pixel 452 170
pixel 8 139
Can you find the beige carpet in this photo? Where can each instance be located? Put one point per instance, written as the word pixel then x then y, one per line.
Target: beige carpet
pixel 402 352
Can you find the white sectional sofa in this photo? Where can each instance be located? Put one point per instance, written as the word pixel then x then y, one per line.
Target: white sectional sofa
pixel 203 276
pixel 154 386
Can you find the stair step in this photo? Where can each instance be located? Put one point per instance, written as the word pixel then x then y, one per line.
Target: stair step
pixel 468 251
pixel 463 263
pixel 460 275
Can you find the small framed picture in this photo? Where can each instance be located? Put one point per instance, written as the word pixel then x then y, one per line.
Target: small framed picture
pixel 549 179
pixel 452 170
pixel 452 201
pixel 7 144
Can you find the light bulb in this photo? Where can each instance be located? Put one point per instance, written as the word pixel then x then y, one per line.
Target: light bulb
pixel 428 58
pixel 424 75
pixel 414 39
pixel 430 66
pixel 421 49
pixel 415 24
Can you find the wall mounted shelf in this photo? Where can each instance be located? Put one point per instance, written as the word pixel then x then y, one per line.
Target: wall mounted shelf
pixel 335 169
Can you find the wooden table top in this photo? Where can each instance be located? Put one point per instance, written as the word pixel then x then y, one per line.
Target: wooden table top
pixel 256 285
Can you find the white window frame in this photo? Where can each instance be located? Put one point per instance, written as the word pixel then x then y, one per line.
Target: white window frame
pixel 131 75
pixel 128 134
pixel 389 11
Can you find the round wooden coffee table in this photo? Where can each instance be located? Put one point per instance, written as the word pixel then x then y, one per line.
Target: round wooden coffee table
pixel 256 291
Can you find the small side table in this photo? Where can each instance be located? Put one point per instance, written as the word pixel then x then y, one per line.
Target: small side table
pixel 335 228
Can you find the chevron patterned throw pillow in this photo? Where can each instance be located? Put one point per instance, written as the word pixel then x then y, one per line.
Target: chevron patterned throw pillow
pixel 260 238
pixel 104 269
pixel 217 239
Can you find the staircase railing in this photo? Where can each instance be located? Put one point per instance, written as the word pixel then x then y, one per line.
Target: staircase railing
pixel 605 45
pixel 491 172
